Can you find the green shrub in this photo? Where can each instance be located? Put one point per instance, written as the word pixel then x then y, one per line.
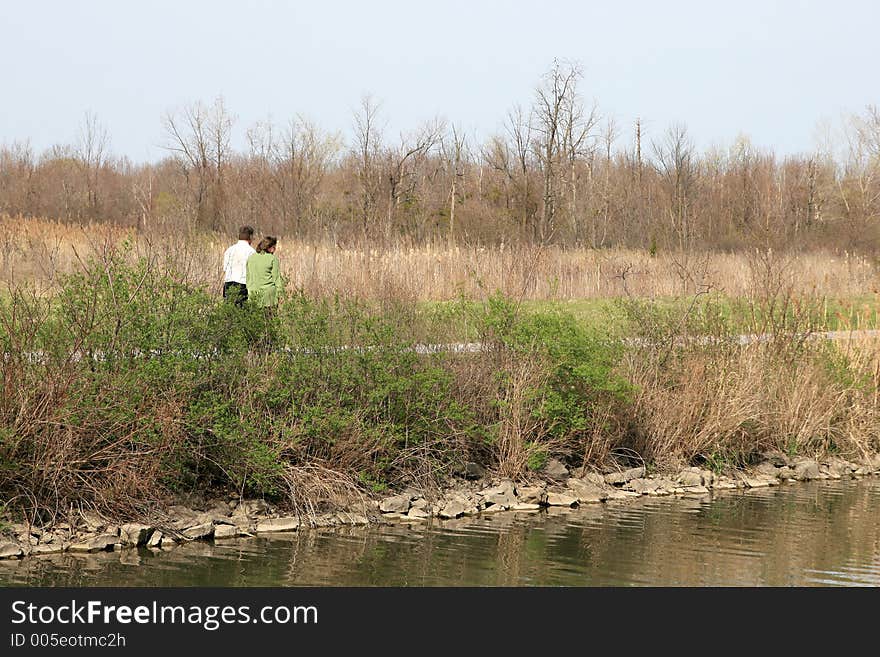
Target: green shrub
pixel 579 383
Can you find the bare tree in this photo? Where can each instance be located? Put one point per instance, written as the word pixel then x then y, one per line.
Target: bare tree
pixel 578 144
pixel 859 184
pixel 399 161
pixel 556 113
pixel 677 166
pixel 17 169
pixel 199 137
pixel 868 130
pixel 91 154
pixel 142 191
pixel 294 161
pixel 453 148
pixel 512 156
pixel 368 143
pixel 303 164
pixel 599 233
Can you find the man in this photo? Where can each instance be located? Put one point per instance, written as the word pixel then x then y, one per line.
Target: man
pixel 234 267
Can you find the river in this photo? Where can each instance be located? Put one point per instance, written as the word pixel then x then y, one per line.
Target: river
pixel 806 534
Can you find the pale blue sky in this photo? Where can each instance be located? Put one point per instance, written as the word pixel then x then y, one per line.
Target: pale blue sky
pixel 771 70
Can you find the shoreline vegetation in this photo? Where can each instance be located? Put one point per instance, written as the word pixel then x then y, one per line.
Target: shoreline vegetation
pixel 187 411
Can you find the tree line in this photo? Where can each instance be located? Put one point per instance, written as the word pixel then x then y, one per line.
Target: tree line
pixel 557 173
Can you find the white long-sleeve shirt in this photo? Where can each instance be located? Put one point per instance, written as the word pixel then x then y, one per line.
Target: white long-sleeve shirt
pixel 235 262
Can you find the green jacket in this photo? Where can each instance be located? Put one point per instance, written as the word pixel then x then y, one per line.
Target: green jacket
pixel 263 279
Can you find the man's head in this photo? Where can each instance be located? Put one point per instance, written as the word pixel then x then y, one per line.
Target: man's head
pixel 246 233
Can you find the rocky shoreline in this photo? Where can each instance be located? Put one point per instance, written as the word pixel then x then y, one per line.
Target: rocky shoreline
pixel 229 519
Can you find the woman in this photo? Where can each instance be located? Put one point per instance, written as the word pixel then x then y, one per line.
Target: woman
pixel 263 274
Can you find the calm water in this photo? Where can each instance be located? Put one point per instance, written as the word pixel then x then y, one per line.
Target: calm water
pixel 822 533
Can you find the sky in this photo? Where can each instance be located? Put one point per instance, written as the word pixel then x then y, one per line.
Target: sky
pixel 777 72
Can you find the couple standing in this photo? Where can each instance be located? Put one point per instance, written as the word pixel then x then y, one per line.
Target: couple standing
pixel 250 273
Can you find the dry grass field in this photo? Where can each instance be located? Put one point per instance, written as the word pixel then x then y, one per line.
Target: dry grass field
pixel 36 251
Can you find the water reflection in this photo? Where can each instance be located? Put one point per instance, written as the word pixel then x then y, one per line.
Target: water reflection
pixel 822 533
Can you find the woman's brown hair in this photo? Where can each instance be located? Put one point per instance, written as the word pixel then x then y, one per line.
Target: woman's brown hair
pixel 266 243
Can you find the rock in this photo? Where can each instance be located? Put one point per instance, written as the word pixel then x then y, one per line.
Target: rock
pixel 586 491
pixel 555 469
pixel 418 513
pixel 182 517
pixel 220 508
pixel 214 515
pixel 776 458
pixel 620 494
pixel 826 472
pixel 665 487
pixel 251 509
pixel 525 506
pixel 178 512
pixel 203 530
pixel 768 470
pixel 93 521
pixel 47 548
pixel 839 468
pixel 287 524
pixel 530 494
pixel 455 505
pixel 561 499
pixel 10 550
pixel 692 490
pixel 225 531
pixel 708 478
pixel 620 478
pixel 861 471
pixel 594 478
pixel 420 503
pixel 723 483
pixel 349 518
pixel 470 470
pixel 760 481
pixel 395 504
pixel 134 534
pixel 644 486
pixel 102 543
pixel 325 520
pixel 690 477
pixel 155 540
pixel 503 495
pixel 785 473
pixel 806 470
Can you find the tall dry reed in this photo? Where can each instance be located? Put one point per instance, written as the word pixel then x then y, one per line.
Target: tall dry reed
pixel 38 251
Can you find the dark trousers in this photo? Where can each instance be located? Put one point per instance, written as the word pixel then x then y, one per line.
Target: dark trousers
pixel 235 292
